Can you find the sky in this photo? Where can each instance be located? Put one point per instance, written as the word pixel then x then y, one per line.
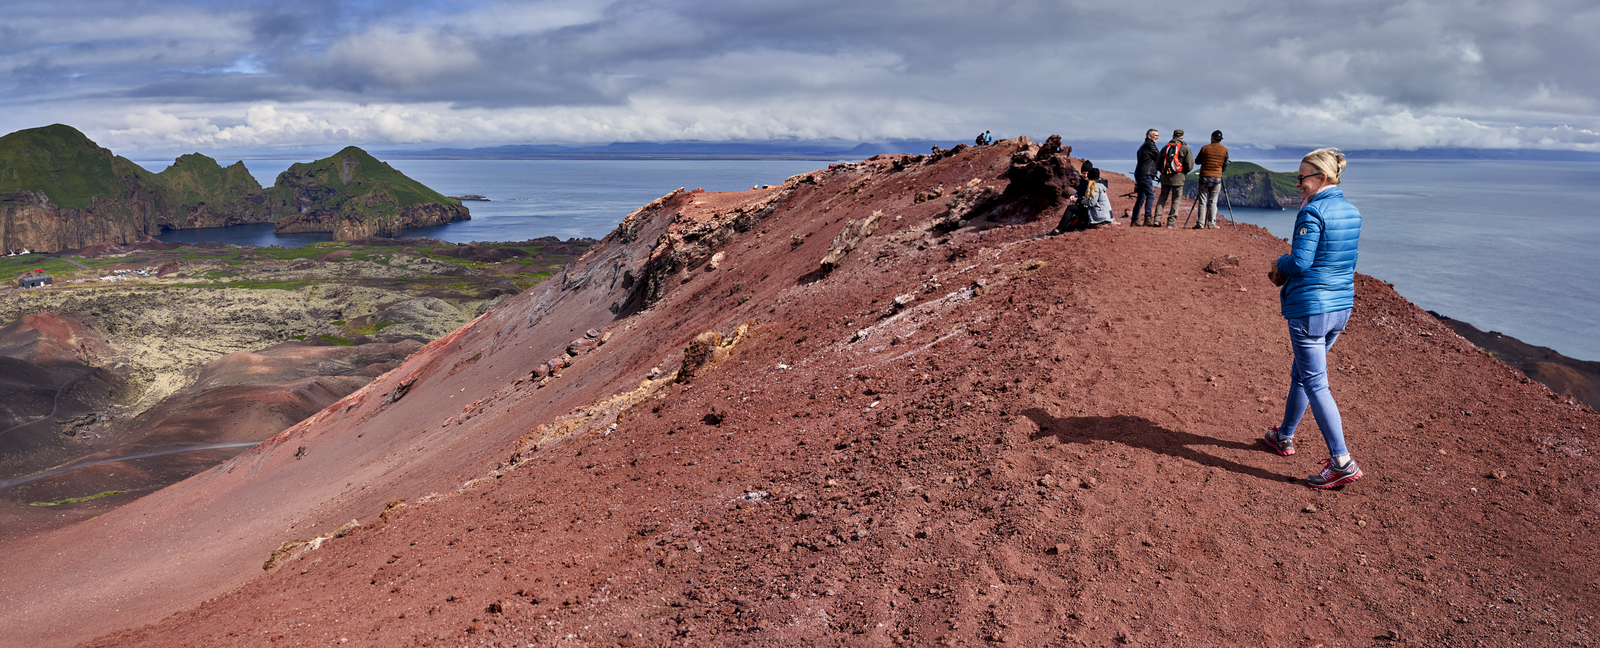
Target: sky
pixel 174 76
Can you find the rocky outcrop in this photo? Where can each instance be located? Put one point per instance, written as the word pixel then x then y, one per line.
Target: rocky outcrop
pixel 42 227
pixel 353 195
pixel 1040 180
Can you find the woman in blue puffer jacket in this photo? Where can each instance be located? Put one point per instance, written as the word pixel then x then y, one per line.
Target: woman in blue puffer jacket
pixel 1318 291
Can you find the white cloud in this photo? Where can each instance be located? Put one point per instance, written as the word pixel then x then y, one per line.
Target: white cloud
pixel 324 72
pixel 402 59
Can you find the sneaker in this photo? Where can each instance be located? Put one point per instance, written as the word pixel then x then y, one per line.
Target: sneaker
pixel 1332 476
pixel 1280 445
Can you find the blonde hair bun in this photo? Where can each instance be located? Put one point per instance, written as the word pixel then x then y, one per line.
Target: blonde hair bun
pixel 1329 161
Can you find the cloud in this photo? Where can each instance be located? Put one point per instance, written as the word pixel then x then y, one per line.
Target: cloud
pixel 401 60
pixel 1358 74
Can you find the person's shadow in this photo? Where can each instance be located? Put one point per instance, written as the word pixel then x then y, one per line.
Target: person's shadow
pixel 1136 432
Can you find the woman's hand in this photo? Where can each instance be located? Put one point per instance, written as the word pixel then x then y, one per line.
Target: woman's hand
pixel 1277 278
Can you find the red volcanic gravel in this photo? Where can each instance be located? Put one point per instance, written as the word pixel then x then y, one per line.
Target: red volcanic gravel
pixel 1054 442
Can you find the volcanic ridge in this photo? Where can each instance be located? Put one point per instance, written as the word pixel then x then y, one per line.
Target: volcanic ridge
pixel 874 405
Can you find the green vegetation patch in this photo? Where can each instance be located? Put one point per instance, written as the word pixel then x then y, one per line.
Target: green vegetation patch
pixel 59 160
pixel 194 180
pixel 73 500
pixel 337 341
pixel 371 330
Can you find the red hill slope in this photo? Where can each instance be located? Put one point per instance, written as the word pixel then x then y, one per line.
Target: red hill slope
pixel 1052 442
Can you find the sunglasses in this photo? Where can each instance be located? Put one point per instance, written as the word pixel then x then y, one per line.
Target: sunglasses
pixel 1302 178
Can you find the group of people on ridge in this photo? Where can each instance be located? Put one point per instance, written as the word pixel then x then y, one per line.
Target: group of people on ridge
pixel 1316 279
pixel 1168 166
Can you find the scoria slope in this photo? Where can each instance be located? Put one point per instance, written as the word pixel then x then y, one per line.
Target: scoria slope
pixel 960 433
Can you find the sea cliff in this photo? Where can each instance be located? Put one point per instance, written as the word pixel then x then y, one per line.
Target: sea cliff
pixel 1246 184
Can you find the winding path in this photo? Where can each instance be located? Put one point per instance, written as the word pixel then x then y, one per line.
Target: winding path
pixel 8 483
pixel 55 401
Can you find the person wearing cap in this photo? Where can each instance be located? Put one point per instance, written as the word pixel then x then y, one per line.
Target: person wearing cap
pixel 1213 160
pixel 1176 163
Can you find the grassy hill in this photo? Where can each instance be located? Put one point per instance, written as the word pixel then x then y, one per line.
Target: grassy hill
pixel 353 174
pixel 354 195
pixel 62 162
pixel 194 180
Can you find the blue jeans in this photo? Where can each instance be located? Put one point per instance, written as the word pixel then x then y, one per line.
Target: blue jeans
pixel 1311 337
pixel 1144 196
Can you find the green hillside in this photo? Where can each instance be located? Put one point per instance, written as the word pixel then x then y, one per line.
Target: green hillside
pixel 62 162
pixel 1282 182
pixel 195 179
pixel 351 175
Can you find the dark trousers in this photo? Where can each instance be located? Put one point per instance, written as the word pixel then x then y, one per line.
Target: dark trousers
pixel 1144 187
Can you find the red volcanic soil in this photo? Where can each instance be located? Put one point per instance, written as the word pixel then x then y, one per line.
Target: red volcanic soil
pixel 236 399
pixel 1054 442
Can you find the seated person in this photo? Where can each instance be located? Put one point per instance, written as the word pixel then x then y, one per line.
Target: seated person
pixel 1092 208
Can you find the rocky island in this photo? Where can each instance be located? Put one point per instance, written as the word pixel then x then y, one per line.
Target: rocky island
pixel 60 191
pixel 354 195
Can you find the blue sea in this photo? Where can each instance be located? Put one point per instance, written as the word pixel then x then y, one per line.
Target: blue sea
pixel 1506 245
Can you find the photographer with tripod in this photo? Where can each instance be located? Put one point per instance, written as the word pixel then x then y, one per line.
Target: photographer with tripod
pixel 1213 160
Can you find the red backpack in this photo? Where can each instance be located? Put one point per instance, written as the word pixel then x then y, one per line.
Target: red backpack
pixel 1172 158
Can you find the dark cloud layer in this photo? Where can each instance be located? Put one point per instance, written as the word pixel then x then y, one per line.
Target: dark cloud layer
pixel 1496 73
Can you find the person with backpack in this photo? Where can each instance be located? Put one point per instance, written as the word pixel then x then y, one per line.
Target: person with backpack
pixel 1176 163
pixel 1317 290
pixel 1146 174
pixel 1213 161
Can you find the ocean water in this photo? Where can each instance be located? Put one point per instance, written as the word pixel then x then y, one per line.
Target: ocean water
pixel 1506 245
pixel 530 198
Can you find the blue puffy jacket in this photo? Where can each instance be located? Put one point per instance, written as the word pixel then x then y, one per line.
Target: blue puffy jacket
pixel 1322 266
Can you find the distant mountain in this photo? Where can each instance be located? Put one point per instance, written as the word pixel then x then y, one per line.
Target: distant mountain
pixel 59 190
pixel 354 195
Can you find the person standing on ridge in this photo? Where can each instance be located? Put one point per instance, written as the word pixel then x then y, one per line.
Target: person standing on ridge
pixel 1318 290
pixel 1147 167
pixel 1176 163
pixel 1213 161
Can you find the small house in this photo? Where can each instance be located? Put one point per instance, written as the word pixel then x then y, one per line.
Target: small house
pixel 35 281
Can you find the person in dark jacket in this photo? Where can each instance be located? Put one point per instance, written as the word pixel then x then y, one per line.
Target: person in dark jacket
pixel 1317 280
pixel 1145 171
pixel 1176 163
